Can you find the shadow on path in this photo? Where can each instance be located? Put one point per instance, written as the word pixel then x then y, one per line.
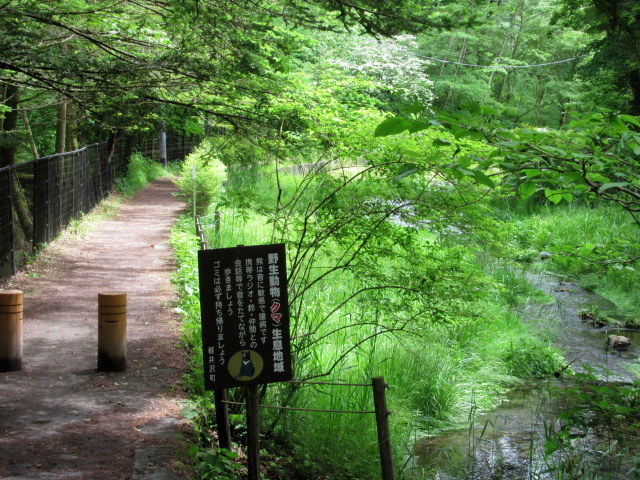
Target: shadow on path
pixel 59 418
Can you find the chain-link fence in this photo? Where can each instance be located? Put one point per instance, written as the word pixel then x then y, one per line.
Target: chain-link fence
pixel 39 198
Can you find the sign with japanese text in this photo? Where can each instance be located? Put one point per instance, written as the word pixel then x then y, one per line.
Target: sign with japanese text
pixel 245 316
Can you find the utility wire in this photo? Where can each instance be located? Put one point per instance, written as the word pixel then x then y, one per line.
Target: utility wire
pixel 499 66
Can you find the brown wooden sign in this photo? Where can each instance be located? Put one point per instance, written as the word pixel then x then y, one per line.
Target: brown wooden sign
pixel 245 316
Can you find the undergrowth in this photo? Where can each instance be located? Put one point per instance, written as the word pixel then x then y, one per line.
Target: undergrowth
pixel 140 172
pixel 594 244
pixel 437 370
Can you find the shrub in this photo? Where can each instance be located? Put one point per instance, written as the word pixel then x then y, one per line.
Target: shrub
pixel 140 172
pixel 531 358
pixel 210 176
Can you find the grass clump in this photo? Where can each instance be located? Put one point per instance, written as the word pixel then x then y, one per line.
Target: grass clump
pixel 210 175
pixel 531 358
pixel 140 172
pixel 594 244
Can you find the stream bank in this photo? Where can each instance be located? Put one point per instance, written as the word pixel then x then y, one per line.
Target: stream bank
pixel 509 442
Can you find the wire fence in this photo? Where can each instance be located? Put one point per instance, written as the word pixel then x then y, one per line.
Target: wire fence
pixel 38 199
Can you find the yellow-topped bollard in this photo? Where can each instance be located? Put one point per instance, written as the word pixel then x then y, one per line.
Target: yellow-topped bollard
pixel 112 331
pixel 11 304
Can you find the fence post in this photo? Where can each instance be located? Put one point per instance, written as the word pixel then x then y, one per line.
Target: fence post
pixel 163 147
pixel 48 184
pixel 101 164
pixel 74 206
pixel 36 204
pixel 200 235
pixel 219 394
pixel 382 423
pixel 193 186
pixel 216 223
pixel 59 185
pixel 83 195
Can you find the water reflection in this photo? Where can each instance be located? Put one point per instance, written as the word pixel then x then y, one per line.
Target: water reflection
pixel 508 443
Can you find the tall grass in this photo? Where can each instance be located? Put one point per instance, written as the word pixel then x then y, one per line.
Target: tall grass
pixel 140 172
pixel 590 243
pixel 447 355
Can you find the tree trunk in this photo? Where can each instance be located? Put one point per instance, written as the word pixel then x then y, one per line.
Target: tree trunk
pixel 61 126
pixel 463 53
pixel 442 65
pixel 514 48
pixel 539 105
pixel 3 97
pixel 8 157
pixel 633 78
pixel 493 72
pixel 71 137
pixel 27 126
pixel 8 144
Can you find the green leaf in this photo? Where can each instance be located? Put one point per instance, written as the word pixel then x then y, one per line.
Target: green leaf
pixel 617 125
pixel 413 108
pixel 508 166
pixel 457 174
pixel 575 177
pixel 488 110
pixel 392 126
pixel 550 447
pixel 464 171
pixel 532 172
pixel 607 186
pixel 472 108
pixel 441 142
pixel 630 119
pixel 527 189
pixel 596 177
pixel 411 153
pixel 482 179
pixel 419 125
pixel 553 195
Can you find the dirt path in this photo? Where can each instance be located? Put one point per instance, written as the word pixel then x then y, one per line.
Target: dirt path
pixel 59 418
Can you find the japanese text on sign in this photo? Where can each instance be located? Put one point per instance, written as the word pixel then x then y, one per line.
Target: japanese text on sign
pixel 245 315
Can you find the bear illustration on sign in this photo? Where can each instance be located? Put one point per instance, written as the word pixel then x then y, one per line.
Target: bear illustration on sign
pixel 247 369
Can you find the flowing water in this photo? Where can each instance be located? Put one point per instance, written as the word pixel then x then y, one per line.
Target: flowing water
pixel 507 443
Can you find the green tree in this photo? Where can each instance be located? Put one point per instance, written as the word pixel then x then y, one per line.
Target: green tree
pixel 514 33
pixel 594 157
pixel 615 65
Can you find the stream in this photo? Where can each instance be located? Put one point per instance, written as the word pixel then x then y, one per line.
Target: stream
pixel 508 443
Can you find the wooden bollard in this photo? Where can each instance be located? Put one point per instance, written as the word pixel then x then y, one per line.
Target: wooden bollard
pixel 112 332
pixel 11 302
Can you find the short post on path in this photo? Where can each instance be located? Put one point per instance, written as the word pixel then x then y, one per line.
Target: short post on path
pixel 11 306
pixel 112 332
